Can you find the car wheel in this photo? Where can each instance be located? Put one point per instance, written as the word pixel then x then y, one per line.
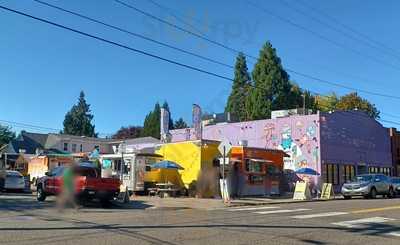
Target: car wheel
pixel 41 196
pixel 372 193
pixel 347 197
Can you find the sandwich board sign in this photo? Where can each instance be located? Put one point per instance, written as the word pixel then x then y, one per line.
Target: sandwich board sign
pixel 327 191
pixel 302 191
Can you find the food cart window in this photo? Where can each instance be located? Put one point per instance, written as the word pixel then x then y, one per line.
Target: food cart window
pixel 253 166
pixel 256 179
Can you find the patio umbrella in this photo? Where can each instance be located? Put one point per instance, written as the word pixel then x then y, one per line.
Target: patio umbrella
pixel 166 165
pixel 306 171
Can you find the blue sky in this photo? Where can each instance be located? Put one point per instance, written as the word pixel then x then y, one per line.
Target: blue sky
pixel 43 68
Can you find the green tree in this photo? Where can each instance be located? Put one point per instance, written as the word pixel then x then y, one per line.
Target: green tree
pixel 353 101
pixel 272 89
pixel 327 102
pixel 6 135
pixel 129 132
pixel 236 103
pixel 180 123
pixel 151 125
pixel 78 121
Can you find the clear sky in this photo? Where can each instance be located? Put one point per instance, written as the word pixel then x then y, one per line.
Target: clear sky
pixel 43 68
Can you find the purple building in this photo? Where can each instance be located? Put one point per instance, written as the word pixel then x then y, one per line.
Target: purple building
pixel 338 145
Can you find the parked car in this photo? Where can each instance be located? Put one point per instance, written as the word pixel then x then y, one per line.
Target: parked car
pixel 369 186
pixel 12 180
pixel 88 184
pixel 396 184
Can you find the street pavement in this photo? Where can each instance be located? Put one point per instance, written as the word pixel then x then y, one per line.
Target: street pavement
pixel 356 221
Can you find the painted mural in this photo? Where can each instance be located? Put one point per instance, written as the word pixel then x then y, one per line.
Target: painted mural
pixel 298 136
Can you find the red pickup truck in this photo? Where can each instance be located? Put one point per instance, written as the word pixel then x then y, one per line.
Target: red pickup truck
pixel 88 184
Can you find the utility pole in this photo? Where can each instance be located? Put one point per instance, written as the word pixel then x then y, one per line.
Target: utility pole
pixel 304 103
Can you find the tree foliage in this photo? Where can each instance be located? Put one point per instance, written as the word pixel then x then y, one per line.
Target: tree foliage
pixel 180 123
pixel 272 89
pixel 6 135
pixel 327 102
pixel 236 103
pixel 78 121
pixel 353 101
pixel 151 125
pixel 129 132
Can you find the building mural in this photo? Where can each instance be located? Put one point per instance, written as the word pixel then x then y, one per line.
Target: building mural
pixel 298 136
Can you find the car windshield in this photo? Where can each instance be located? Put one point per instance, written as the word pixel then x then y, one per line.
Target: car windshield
pixel 362 178
pixel 396 180
pixel 14 175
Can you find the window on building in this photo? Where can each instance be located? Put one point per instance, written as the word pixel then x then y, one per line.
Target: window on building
pixel 65 146
pixel 253 166
pixel 332 174
pixel 81 148
pixel 73 147
pixel 348 172
pixel 256 179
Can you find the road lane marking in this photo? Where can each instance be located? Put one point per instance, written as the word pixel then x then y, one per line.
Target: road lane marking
pixel 310 216
pixel 370 210
pixel 359 223
pixel 252 208
pixel 283 211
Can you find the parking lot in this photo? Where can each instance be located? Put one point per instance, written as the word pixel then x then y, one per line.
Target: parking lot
pixel 358 221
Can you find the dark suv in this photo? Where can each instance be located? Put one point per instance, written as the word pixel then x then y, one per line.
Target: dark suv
pixel 369 186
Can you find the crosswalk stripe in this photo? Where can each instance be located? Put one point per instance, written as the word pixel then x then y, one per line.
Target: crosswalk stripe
pixel 283 211
pixel 252 208
pixel 310 216
pixel 362 222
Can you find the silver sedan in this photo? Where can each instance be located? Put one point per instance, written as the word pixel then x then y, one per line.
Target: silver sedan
pixel 12 180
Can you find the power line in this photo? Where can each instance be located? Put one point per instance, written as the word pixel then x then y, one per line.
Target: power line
pixel 250 56
pixel 174 11
pixel 115 43
pixel 337 21
pixel 290 22
pixel 178 27
pixel 332 27
pixel 133 34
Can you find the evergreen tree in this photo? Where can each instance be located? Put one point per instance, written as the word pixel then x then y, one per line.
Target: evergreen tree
pixel 78 121
pixel 272 89
pixel 180 123
pixel 6 135
pixel 151 125
pixel 236 103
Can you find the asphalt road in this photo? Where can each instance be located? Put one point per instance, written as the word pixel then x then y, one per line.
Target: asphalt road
pixel 358 221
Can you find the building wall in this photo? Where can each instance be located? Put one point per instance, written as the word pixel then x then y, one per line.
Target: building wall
pixel 88 144
pixel 298 136
pixel 354 138
pixel 395 144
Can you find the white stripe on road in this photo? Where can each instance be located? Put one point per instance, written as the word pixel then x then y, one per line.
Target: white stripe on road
pixel 310 216
pixel 359 223
pixel 252 208
pixel 283 211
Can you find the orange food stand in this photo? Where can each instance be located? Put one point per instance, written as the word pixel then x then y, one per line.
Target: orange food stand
pixel 255 171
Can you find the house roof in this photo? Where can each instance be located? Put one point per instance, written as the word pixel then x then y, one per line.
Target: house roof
pixel 142 140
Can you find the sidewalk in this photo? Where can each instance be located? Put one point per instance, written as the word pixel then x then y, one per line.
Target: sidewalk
pixel 213 204
pixel 179 203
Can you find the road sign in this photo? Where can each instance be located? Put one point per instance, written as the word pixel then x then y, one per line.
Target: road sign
pixel 225 147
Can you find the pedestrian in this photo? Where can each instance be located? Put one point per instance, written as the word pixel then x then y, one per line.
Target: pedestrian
pixel 67 195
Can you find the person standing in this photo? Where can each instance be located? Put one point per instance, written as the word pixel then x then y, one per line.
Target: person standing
pixel 67 195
